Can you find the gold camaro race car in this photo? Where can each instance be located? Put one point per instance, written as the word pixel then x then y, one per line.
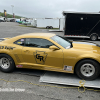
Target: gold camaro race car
pixel 46 51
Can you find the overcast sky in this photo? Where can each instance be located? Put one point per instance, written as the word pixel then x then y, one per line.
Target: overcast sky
pixel 48 8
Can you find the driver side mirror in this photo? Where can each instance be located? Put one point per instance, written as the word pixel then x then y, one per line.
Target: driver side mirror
pixel 53 48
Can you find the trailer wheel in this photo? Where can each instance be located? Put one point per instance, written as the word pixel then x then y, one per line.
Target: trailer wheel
pixel 47 27
pixel 51 27
pixel 94 37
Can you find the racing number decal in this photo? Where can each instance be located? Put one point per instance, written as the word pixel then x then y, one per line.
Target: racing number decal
pixel 40 57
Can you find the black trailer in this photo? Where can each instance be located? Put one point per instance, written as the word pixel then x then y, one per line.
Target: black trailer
pixel 82 24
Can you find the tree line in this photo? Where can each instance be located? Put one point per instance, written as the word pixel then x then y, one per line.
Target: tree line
pixel 9 15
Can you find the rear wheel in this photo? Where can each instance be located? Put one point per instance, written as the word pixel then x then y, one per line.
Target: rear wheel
pixel 6 63
pixel 87 69
pixel 94 37
pixel 47 27
pixel 51 27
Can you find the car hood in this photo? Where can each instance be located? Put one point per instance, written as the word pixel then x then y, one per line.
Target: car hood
pixel 85 45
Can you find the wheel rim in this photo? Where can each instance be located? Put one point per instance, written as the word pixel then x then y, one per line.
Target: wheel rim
pixel 47 27
pixel 94 37
pixel 4 63
pixel 87 70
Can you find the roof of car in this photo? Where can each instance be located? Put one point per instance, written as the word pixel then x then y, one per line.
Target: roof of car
pixel 38 35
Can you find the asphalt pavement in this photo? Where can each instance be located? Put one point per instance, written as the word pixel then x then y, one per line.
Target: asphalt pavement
pixel 16 86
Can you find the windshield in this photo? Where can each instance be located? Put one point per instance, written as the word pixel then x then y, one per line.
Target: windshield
pixel 64 43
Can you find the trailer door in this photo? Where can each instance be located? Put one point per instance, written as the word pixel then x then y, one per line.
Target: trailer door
pixel 76 24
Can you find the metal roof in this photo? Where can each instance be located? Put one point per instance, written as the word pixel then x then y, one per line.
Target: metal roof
pixel 74 12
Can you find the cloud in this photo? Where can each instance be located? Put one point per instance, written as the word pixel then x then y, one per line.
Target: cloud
pixel 48 8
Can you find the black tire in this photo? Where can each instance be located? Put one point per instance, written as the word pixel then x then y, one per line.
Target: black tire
pixel 4 58
pixel 94 37
pixel 89 64
pixel 47 27
pixel 51 27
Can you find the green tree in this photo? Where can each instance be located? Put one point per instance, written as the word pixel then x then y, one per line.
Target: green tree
pixel 9 15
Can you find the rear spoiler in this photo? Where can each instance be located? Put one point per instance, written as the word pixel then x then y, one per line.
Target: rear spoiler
pixel 2 39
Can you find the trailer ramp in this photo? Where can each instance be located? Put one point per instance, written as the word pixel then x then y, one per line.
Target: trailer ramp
pixel 67 79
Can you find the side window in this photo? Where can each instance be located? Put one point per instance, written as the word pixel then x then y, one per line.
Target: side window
pixel 37 42
pixel 20 42
pixel 45 43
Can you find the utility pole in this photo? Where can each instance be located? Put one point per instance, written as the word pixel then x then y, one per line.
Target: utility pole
pixel 12 9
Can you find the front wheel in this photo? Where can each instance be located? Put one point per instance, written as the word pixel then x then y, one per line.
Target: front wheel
pixel 88 69
pixel 6 63
pixel 94 37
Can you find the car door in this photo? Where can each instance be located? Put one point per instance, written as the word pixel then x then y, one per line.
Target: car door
pixel 37 54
